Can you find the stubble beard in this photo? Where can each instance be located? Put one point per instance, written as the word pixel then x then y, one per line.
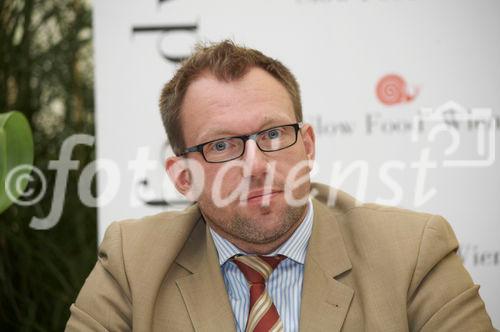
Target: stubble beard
pixel 248 229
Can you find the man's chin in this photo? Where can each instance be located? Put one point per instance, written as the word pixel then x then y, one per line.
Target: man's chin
pixel 261 234
pixel 263 227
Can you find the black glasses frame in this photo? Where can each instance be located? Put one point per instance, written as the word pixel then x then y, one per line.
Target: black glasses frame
pixel 244 138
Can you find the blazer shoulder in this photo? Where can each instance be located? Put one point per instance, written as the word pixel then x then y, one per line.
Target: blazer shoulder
pixel 132 245
pixel 349 210
pixel 148 230
pixel 406 257
pixel 398 225
pixel 384 233
pixel 372 212
pixel 171 221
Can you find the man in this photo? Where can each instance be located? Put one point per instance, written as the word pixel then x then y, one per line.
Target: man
pixel 262 249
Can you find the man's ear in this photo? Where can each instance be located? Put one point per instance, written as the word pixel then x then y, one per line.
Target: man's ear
pixel 179 174
pixel 309 140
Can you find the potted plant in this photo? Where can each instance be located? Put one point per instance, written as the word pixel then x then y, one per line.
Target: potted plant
pixel 16 156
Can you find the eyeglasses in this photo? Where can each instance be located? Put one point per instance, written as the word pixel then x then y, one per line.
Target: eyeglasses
pixel 229 148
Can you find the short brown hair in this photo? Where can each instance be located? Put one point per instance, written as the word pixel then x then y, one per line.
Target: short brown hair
pixel 226 61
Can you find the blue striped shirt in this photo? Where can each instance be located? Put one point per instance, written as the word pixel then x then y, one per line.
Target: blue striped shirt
pixel 285 283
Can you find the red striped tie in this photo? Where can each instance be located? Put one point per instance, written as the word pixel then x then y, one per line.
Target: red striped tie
pixel 263 316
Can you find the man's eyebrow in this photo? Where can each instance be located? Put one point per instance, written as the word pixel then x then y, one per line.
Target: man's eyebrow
pixel 217 133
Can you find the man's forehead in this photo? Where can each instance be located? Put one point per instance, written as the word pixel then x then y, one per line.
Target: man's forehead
pixel 255 86
pixel 214 108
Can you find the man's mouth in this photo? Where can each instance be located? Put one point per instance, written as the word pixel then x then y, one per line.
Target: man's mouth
pixel 261 195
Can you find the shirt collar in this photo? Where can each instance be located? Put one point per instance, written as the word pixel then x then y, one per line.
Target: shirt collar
pixel 294 248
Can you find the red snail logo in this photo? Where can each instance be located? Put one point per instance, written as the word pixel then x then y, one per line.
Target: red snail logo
pixel 392 89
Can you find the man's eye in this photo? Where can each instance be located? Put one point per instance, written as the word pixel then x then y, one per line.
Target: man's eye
pixel 273 133
pixel 220 146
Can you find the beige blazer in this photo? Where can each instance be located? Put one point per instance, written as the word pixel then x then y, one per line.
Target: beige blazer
pixel 368 268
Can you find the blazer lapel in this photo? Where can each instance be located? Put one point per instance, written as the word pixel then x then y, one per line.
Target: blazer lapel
pixel 325 301
pixel 204 292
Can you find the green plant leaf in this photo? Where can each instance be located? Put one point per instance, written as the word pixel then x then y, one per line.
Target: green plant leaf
pixel 16 149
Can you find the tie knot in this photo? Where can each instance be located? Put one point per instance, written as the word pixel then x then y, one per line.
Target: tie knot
pixel 257 269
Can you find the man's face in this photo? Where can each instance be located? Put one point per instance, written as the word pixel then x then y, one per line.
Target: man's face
pixel 214 109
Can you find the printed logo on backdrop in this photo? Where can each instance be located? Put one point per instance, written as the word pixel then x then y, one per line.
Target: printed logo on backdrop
pixel 319 2
pixel 174 44
pixel 476 256
pixel 392 90
pixel 174 40
pixel 164 46
pixel 153 195
pixel 448 135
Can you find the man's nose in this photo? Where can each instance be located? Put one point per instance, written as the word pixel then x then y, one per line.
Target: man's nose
pixel 255 160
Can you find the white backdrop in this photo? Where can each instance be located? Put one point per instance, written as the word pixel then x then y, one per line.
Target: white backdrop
pixel 372 74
